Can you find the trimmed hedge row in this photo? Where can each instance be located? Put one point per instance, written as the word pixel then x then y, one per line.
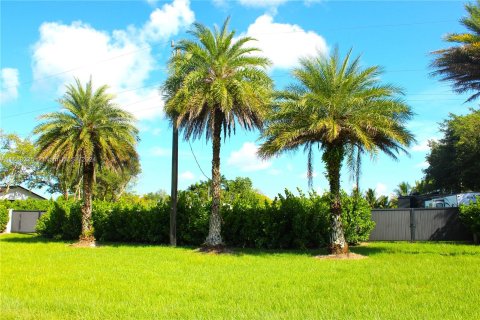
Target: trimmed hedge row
pixel 288 222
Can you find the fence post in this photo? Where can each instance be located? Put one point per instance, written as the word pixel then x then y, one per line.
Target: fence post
pixel 412 225
pixel 8 229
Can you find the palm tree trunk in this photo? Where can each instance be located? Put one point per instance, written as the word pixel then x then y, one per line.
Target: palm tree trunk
pixel 87 227
pixel 214 238
pixel 333 157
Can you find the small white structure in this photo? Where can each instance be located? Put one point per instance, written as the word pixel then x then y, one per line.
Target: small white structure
pixel 18 193
pixel 455 200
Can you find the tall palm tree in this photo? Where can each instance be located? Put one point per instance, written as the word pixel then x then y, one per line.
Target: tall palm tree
pixel 90 131
pixel 403 189
pixel 343 110
pixel 461 64
pixel 223 83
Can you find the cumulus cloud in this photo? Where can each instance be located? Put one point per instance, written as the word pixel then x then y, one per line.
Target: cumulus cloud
pixel 422 165
pixel 262 3
pixel 187 175
pixel 10 83
pixel 381 189
pixel 246 159
pixel 122 59
pixel 168 20
pixel 285 43
pixel 423 145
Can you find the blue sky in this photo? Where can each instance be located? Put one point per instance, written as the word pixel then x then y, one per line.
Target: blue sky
pixel 125 44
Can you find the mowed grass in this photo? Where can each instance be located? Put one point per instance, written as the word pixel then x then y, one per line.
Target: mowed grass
pixel 43 279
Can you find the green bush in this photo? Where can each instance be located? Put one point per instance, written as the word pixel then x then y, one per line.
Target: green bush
pixel 287 222
pixel 3 216
pixel 356 218
pixel 470 215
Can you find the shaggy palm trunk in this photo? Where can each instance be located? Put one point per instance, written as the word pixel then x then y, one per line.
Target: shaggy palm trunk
pixel 333 158
pixel 87 227
pixel 214 238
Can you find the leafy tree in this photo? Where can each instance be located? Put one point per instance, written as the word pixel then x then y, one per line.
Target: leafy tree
pixel 453 161
pixel 339 107
pixel 157 196
pixel 222 84
pixel 461 64
pixel 91 131
pixel 18 164
pixel 110 185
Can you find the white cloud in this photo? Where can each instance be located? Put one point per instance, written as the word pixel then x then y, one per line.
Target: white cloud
pixel 423 145
pixel 187 175
pixel 285 43
pixel 262 3
pixel 381 189
pixel 121 59
pixel 10 83
pixel 168 20
pixel 246 158
pixel 422 165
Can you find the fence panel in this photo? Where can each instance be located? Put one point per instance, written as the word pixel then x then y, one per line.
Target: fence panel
pixel 434 224
pixel 440 224
pixel 393 224
pixel 24 221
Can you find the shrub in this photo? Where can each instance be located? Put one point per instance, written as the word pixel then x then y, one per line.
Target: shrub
pixel 356 218
pixel 287 222
pixel 470 215
pixel 3 216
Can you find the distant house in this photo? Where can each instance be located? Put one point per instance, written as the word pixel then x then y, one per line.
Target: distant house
pixel 18 193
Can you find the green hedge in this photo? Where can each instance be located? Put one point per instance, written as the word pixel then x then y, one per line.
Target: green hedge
pixel 288 222
pixel 470 215
pixel 29 204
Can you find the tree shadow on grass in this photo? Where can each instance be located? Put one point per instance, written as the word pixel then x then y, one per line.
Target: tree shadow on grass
pixel 366 250
pixel 27 238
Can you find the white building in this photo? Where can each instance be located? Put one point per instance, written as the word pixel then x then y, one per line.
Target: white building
pixel 18 193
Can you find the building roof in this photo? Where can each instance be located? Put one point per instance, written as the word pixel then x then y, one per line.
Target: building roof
pixel 3 189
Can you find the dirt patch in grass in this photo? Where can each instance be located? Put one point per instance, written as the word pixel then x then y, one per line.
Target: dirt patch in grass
pixel 221 249
pixel 85 244
pixel 346 256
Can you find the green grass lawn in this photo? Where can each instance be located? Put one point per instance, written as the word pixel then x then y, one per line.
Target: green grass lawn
pixel 43 279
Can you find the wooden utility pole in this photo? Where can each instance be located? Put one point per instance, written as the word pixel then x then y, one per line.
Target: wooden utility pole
pixel 174 190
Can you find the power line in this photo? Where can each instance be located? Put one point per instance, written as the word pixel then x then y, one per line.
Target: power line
pixel 148 46
pixel 198 164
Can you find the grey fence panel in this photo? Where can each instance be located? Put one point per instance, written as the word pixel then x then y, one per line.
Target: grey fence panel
pixel 437 224
pixel 440 224
pixel 25 221
pixel 391 224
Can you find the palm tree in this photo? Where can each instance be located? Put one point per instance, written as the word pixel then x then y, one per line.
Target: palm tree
pixel 371 197
pixel 403 189
pixel 340 108
pixel 461 64
pixel 222 84
pixel 91 131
